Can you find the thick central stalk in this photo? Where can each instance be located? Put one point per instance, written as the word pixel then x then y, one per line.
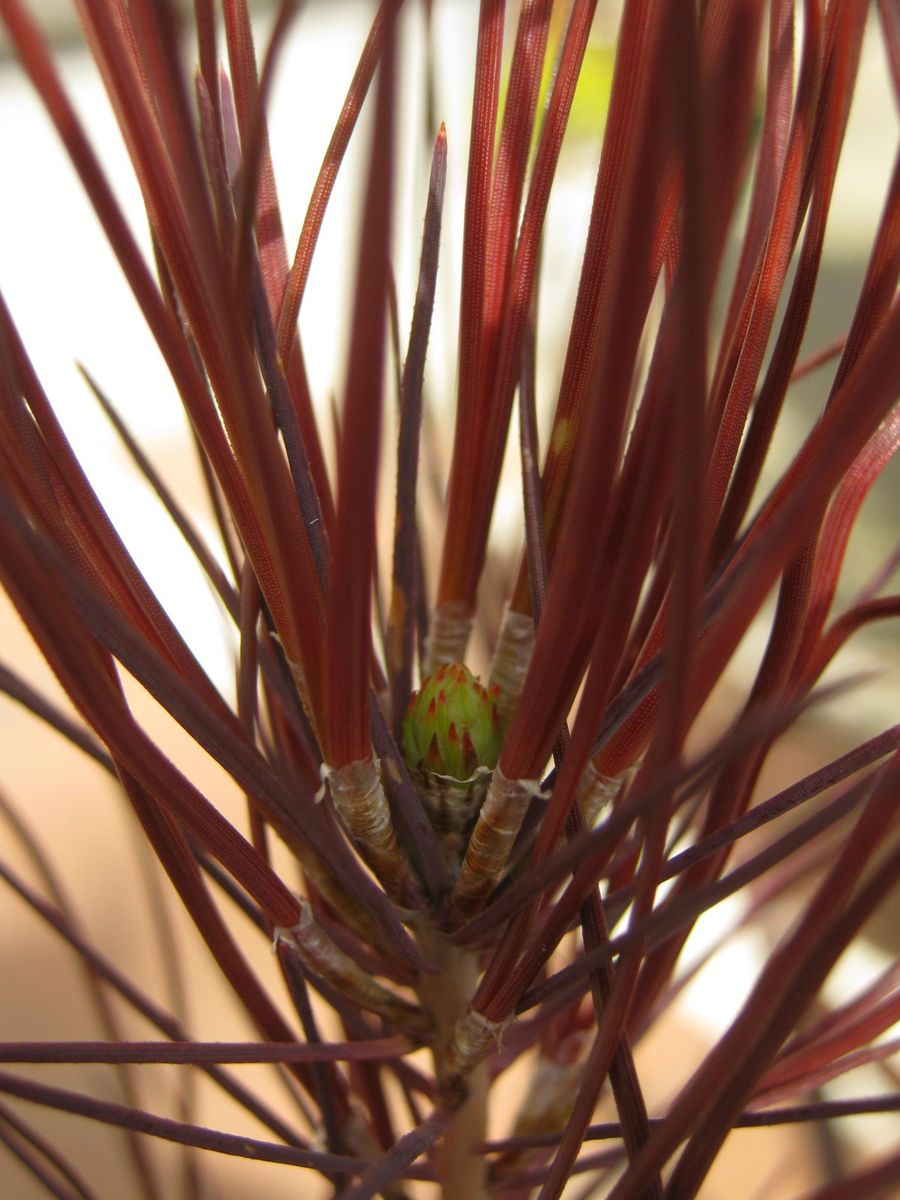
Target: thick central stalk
pixel 461 1168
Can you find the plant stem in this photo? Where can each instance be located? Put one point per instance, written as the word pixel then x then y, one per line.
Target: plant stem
pixel 447 995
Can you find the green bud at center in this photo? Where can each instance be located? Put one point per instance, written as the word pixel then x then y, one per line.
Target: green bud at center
pixel 452 727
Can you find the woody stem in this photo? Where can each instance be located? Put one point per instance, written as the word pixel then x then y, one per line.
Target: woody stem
pixel 447 995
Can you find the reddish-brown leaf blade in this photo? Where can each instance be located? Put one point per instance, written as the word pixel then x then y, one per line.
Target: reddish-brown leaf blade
pixel 201 1052
pixel 404 588
pixel 349 642
pixel 174 1131
pixel 334 155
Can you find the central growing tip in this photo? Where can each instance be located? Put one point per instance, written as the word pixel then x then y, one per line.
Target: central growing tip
pixel 452 729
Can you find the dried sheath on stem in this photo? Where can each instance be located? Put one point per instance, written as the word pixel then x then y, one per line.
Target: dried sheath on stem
pixel 449 635
pixel 492 839
pixel 360 798
pixel 512 654
pixel 322 956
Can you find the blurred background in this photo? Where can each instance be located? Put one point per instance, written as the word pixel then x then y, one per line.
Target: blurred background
pixel 72 306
